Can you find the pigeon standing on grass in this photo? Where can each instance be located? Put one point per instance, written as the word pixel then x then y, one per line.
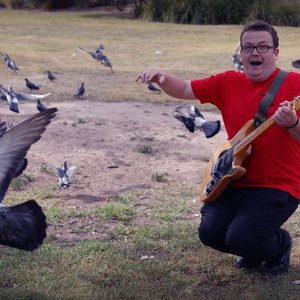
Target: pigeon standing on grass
pixel 51 76
pixel 31 85
pixel 9 62
pixel 80 91
pixel 64 173
pixel 22 226
pixel 192 118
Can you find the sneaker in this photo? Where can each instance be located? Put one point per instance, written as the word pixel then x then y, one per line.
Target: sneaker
pixel 279 265
pixel 246 263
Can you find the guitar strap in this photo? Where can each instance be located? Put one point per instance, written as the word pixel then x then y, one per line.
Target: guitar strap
pixel 265 103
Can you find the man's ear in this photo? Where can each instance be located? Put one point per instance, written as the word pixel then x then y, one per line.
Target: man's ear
pixel 276 53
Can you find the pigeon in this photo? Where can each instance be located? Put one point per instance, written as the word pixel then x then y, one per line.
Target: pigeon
pixel 12 100
pixel 64 173
pixel 296 63
pixel 99 56
pixel 51 76
pixel 9 62
pixel 22 226
pixel 153 88
pixel 80 91
pixel 95 55
pixel 31 85
pixel 41 106
pixel 236 59
pixel 192 118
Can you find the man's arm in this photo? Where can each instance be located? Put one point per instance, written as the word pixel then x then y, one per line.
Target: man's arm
pixel 171 85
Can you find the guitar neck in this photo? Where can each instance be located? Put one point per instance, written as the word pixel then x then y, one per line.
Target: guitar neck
pixel 245 143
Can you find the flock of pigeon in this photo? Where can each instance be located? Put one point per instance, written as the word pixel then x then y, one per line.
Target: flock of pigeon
pixel 13 97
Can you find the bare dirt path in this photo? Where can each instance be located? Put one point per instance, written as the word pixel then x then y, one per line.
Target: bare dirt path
pixel 117 146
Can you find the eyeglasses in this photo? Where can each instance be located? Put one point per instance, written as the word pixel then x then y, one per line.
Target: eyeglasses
pixel 259 48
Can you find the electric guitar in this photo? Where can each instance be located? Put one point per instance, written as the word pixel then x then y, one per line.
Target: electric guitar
pixel 226 163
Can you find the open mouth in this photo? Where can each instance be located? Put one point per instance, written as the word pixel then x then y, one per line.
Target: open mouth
pixel 255 63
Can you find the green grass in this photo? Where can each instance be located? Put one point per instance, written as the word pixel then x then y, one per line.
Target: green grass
pixel 101 254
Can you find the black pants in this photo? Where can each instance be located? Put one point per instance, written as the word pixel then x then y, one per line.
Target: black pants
pixel 246 222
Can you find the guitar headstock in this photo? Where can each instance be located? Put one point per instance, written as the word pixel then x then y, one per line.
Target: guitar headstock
pixel 295 103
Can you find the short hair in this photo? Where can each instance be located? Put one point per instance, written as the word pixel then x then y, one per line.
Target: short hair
pixel 260 25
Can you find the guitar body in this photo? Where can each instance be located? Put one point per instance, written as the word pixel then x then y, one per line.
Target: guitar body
pixel 225 165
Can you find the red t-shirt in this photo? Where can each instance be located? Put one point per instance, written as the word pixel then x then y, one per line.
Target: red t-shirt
pixel 275 156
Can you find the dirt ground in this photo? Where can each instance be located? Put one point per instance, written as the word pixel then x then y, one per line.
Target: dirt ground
pixel 108 141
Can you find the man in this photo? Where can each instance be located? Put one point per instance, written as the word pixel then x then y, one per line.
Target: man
pixel 246 219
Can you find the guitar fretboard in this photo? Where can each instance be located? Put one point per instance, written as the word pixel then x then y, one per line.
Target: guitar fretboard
pixel 245 143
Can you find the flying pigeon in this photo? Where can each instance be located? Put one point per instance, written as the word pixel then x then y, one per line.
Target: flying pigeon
pixel 31 85
pixel 23 96
pixel 22 226
pixel 64 173
pixel 9 62
pixel 296 63
pixel 192 118
pixel 95 55
pixel 80 91
pixel 51 76
pixel 153 88
pixel 40 106
pixel 99 56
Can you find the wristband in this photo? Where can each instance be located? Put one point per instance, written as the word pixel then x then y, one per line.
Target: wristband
pixel 293 125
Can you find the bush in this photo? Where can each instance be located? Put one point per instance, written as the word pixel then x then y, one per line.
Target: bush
pixel 220 11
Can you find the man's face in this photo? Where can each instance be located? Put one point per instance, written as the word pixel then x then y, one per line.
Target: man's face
pixel 258 66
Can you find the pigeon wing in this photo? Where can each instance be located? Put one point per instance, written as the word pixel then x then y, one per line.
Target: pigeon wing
pixel 183 111
pixel 15 143
pixel 198 113
pixel 71 171
pixel 60 172
pixel 23 96
pixel 3 127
